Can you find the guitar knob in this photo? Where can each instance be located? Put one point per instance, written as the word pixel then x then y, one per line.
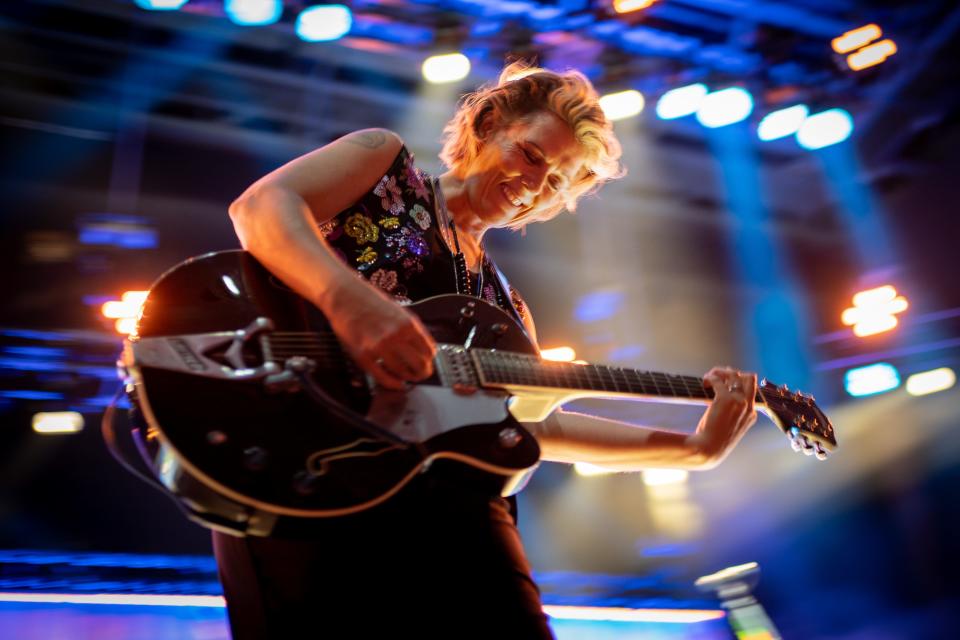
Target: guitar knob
pixel 499 328
pixel 255 458
pixel 304 483
pixel 510 437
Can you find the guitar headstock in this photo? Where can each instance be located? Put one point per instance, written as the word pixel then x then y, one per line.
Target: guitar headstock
pixel 799 417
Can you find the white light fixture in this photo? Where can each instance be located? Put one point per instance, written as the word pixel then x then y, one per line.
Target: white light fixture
pixel 623 104
pixel 724 107
pixel 445 68
pixel 680 102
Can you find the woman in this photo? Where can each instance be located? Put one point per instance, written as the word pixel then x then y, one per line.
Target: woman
pixel 440 558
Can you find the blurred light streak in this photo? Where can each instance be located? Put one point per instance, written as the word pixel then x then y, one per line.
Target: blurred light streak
pixel 824 129
pixel 322 23
pixel 862 214
pixel 680 616
pixel 872 55
pixel 926 347
pixel 927 382
pixel 252 13
pixel 872 379
pixel 116 598
pixel 782 122
pixel 559 354
pixel 874 311
pixel 588 470
pixel 598 305
pixel 725 107
pixel 626 6
pixel 125 326
pixel 856 38
pixel 774 322
pixel 127 308
pixel 660 477
pixel 622 105
pixel 26 394
pixel 160 5
pixel 680 102
pixel 57 422
pixel 446 68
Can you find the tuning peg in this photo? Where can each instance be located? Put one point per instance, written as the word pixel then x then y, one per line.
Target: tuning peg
pixel 807 447
pixel 795 442
pixel 783 390
pixel 819 451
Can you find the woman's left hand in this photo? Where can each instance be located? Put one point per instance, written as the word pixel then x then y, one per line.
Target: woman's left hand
pixel 730 414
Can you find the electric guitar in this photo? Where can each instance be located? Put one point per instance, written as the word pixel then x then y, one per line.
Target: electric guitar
pixel 252 414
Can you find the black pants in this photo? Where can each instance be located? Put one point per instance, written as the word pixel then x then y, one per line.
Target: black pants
pixel 437 561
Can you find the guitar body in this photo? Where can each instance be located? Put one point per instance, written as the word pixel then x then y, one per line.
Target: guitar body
pixel 231 431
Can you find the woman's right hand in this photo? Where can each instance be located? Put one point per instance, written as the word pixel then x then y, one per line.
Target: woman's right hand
pixel 385 339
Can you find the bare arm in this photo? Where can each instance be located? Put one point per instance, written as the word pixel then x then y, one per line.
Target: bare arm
pixel 571 437
pixel 277 220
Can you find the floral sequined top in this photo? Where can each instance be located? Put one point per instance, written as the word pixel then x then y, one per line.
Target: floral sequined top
pixel 392 237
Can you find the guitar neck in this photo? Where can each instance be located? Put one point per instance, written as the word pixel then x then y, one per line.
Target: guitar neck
pixel 516 371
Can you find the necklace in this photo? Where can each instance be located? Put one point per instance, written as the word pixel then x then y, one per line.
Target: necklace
pixel 460 271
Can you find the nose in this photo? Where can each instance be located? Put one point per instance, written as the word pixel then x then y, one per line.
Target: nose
pixel 535 178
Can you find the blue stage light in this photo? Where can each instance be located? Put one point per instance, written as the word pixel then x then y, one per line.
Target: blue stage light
pixel 251 13
pixel 681 102
pixel 598 305
pixel 160 5
pixel 724 107
pixel 875 378
pixel 824 129
pixel 324 22
pixel 782 123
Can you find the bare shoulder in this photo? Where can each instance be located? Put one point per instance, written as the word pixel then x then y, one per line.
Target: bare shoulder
pixel 374 139
pixel 336 175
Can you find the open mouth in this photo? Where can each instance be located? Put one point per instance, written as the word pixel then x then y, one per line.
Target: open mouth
pixel 511 197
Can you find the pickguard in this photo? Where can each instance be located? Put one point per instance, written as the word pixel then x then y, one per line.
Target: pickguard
pixel 425 411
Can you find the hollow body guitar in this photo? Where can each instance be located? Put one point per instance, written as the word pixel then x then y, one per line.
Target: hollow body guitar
pixel 252 414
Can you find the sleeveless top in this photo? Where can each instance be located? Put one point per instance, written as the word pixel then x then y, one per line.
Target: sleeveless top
pixel 392 236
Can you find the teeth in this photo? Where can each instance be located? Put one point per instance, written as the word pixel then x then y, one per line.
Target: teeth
pixel 511 196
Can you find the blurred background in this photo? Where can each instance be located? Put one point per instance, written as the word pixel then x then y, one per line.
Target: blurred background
pixel 788 209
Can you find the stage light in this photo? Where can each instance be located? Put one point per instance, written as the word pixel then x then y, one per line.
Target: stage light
pixel 446 68
pixel 660 477
pixel 598 305
pixel 323 23
pixel 925 382
pixel 855 39
pixel 872 379
pixel 622 614
pixel 681 101
pixel 559 354
pixel 872 55
pixel 626 6
pixel 623 104
pixel 782 123
pixel 125 311
pixel 252 13
pixel 874 311
pixel 588 470
pixel 724 107
pixel 160 5
pixel 824 129
pixel 57 422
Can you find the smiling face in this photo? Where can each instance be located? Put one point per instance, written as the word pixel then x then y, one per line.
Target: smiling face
pixel 523 167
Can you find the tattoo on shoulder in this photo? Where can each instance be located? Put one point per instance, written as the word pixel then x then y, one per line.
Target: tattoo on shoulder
pixel 368 139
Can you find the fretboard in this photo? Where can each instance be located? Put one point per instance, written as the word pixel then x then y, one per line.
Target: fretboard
pixel 501 368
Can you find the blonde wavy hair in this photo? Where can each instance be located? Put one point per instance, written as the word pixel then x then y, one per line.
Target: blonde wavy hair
pixel 522 90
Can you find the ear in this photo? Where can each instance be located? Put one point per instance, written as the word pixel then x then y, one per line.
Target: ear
pixel 484 123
